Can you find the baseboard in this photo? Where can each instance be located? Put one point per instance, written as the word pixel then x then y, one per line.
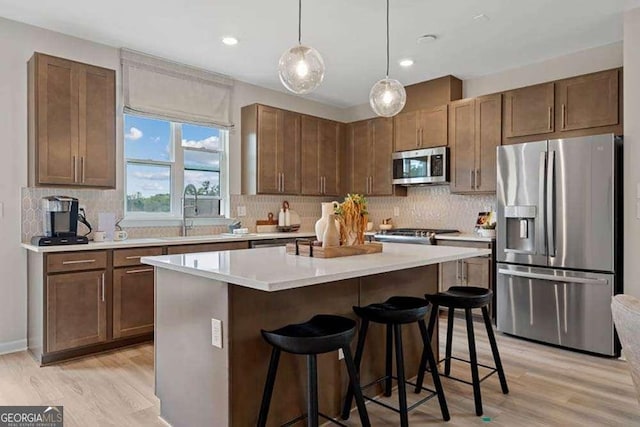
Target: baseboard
pixel 13 346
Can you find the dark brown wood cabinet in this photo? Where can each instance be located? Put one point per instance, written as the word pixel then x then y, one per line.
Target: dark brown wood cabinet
pixel 588 101
pixel 133 301
pixel 475 130
pixel 421 129
pixel 320 160
pixel 529 110
pixel 71 123
pixel 271 150
pixel 207 247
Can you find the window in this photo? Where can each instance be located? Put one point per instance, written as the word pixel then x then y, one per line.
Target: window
pixel 162 158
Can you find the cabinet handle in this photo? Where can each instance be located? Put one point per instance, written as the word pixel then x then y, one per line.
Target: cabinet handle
pixel 324 185
pixel 458 272
pixel 80 261
pixel 473 179
pixel 282 180
pixel 417 137
pixel 550 118
pixel 75 169
pixel 82 169
pixel 564 116
pixel 477 178
pixel 421 137
pixel 141 270
pixel 133 257
pixel 370 185
pixel 102 287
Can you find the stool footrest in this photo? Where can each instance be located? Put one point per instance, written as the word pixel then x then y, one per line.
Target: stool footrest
pixel 492 368
pixel 321 415
pixel 432 394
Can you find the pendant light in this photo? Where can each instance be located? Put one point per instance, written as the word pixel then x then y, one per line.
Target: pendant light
pixel 387 96
pixel 301 68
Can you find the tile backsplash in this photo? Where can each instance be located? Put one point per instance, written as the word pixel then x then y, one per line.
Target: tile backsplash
pixel 433 207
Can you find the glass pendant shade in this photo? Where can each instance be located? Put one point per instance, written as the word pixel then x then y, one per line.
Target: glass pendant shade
pixel 301 69
pixel 387 97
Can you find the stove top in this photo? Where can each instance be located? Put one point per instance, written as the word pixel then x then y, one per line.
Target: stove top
pixel 425 236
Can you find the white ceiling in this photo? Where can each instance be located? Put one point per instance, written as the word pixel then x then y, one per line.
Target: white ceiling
pixel 350 35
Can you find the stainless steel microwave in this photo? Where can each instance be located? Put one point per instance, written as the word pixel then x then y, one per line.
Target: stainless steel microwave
pixel 420 167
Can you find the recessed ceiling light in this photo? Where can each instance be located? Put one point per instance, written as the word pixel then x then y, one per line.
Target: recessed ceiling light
pixel 406 62
pixel 427 38
pixel 230 41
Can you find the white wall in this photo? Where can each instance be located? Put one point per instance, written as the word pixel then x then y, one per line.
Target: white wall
pixel 631 151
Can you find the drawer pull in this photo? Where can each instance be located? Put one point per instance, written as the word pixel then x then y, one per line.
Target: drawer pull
pixel 142 270
pixel 133 257
pixel 80 261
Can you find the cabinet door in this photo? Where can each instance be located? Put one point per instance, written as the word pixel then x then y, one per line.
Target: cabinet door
pixel 433 127
pixel 529 111
pixel 477 272
pixel 449 275
pixel 268 150
pixel 310 142
pixel 359 163
pixel 381 162
pixel 55 106
pixel 462 143
pixel 406 131
pixel 488 137
pixel 329 157
pixel 76 310
pixel 289 153
pixel 588 101
pixel 132 301
pixel 97 135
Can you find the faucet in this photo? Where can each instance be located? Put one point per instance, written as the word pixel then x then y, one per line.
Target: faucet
pixel 190 188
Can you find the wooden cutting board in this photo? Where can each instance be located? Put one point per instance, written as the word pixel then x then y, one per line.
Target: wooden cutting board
pixel 270 221
pixel 335 251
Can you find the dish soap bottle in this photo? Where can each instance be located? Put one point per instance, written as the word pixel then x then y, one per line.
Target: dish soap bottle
pixel 281 218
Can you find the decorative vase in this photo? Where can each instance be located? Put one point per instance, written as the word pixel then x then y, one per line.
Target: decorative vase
pixel 331 235
pixel 321 224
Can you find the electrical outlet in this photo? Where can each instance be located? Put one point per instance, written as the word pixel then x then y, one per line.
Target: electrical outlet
pixel 242 211
pixel 216 333
pixel 340 354
pixel 396 211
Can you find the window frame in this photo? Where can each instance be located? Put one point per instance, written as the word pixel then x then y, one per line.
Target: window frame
pixel 177 168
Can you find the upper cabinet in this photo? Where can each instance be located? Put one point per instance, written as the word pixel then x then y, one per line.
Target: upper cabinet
pixel 71 123
pixel 475 130
pixel 588 101
pixel 320 156
pixel 529 110
pixel 271 150
pixel 421 129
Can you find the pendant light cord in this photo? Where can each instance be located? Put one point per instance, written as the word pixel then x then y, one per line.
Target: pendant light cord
pixel 387 38
pixel 300 21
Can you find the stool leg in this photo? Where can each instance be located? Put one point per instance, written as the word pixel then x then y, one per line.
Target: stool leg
pixel 424 359
pixel 402 386
pixel 389 362
pixel 494 350
pixel 362 335
pixel 312 391
pixel 475 378
pixel 268 387
pixel 355 386
pixel 428 352
pixel 447 361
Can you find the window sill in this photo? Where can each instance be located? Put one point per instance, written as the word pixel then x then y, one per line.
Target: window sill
pixel 172 222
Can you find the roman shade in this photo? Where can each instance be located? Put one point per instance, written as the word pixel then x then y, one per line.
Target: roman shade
pixel 172 91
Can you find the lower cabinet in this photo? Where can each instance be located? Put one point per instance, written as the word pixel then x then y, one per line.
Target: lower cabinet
pixel 133 301
pixel 76 310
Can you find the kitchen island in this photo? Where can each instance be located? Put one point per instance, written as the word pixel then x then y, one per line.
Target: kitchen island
pixel 205 377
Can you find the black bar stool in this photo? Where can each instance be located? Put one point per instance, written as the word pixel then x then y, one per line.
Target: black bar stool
pixel 467 298
pixel 393 313
pixel 322 334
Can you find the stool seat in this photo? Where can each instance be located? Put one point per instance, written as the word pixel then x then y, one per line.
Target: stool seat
pixel 321 334
pixel 462 297
pixel 395 310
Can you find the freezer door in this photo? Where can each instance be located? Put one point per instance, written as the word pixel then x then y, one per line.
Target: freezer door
pixel 521 211
pixel 580 203
pixel 566 308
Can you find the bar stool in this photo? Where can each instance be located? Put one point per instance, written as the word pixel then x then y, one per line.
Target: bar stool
pixel 393 313
pixel 467 298
pixel 322 334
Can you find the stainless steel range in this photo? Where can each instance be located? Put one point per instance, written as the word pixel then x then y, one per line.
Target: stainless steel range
pixel 418 236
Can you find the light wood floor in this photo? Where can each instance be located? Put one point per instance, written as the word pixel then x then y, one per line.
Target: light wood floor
pixel 548 387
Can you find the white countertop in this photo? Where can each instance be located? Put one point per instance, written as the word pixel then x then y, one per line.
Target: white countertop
pixel 165 241
pixel 272 269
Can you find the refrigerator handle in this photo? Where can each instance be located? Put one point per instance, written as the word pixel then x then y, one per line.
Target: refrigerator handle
pixel 553 278
pixel 541 244
pixel 551 204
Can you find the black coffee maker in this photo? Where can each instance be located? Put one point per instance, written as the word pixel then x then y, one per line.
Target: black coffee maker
pixel 60 216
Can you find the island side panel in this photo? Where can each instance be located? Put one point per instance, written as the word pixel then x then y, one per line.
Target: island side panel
pixel 414 282
pixel 192 376
pixel 252 310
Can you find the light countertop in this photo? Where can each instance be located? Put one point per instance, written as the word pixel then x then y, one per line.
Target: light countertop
pixel 272 269
pixel 166 241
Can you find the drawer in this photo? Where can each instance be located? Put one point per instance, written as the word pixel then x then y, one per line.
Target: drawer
pixel 76 261
pixel 464 244
pixel 130 257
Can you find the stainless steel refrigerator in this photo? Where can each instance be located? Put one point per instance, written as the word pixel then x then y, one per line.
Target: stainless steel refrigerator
pixel 559 245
